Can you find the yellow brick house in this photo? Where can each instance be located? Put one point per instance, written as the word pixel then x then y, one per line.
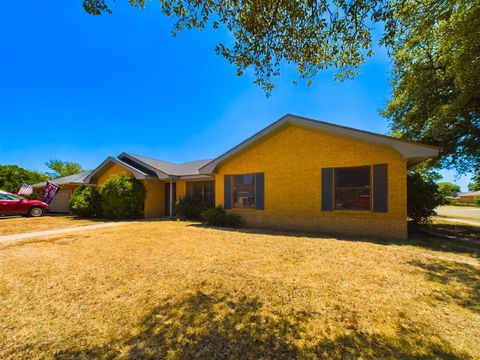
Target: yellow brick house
pixel 296 174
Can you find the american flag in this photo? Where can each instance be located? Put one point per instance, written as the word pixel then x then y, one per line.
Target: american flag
pixel 25 189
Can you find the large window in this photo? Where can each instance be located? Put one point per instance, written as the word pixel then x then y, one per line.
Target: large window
pixel 352 188
pixel 244 191
pixel 201 191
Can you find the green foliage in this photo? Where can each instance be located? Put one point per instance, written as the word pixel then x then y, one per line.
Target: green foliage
pixel 423 195
pixel 63 168
pixel 475 184
pixel 13 176
pixel 218 217
pixel 477 200
pixel 447 189
pixel 464 204
pixel 190 209
pixel 313 35
pixel 436 78
pixel 123 197
pixel 85 202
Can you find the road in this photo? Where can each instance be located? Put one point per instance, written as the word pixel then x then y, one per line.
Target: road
pixel 459 212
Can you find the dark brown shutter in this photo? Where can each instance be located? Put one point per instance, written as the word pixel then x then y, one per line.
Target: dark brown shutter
pixel 227 191
pixel 327 189
pixel 380 193
pixel 259 191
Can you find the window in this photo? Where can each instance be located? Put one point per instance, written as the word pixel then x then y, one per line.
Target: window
pixel 244 191
pixel 352 188
pixel 201 191
pixel 8 197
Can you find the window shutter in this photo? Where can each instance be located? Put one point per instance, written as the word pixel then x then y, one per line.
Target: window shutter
pixel 259 191
pixel 227 192
pixel 327 189
pixel 380 194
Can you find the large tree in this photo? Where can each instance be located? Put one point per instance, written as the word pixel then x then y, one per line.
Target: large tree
pixel 434 44
pixel 13 176
pixel 475 184
pixel 436 79
pixel 313 34
pixel 63 168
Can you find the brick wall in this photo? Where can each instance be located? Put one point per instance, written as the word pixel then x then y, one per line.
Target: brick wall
pixel 292 159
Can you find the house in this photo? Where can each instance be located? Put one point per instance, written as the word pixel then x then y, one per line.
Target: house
pixel 468 197
pixel 296 174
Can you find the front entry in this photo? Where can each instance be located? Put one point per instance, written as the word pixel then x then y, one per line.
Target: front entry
pixel 167 198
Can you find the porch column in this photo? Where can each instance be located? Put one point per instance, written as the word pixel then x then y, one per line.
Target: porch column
pixel 170 210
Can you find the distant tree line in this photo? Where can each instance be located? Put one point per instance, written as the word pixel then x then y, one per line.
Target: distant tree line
pixel 13 176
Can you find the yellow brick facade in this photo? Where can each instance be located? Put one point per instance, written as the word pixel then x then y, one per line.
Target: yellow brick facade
pixel 113 169
pixel 155 195
pixel 292 159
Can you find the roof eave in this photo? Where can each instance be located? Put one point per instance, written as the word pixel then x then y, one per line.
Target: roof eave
pixel 407 150
pixel 137 173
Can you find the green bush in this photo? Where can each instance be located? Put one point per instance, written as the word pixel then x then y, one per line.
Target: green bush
pixel 218 217
pixel 477 200
pixel 423 197
pixel 458 203
pixel 123 197
pixel 190 209
pixel 85 202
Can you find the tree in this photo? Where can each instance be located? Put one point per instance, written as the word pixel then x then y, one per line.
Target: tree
pixel 434 44
pixel 63 168
pixel 13 176
pixel 423 196
pixel 313 35
pixel 475 184
pixel 436 79
pixel 447 189
pixel 123 197
pixel 85 202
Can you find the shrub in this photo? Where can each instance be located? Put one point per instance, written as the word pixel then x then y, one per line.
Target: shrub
pixel 190 209
pixel 123 197
pixel 85 202
pixel 218 217
pixel 423 197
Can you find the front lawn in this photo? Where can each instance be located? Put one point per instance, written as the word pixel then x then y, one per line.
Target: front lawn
pixel 177 290
pixel 10 226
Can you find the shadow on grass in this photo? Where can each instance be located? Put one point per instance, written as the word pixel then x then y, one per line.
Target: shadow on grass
pixel 214 326
pixel 461 282
pixel 416 238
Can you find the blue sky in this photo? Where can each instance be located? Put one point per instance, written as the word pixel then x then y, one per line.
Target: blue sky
pixel 80 88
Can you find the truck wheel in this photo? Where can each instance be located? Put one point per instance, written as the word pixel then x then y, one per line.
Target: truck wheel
pixel 35 211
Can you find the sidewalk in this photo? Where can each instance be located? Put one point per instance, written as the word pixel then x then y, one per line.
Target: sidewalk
pixel 22 236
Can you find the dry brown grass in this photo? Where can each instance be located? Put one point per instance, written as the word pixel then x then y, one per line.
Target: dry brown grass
pixel 9 226
pixel 176 290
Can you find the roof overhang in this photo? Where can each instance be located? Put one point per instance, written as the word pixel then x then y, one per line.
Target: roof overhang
pixel 413 153
pixel 112 160
pixel 160 174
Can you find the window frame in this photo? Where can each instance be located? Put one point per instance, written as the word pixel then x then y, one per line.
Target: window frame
pixel 191 183
pixel 370 189
pixel 232 192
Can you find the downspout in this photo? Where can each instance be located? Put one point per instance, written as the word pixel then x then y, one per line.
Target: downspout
pixel 170 210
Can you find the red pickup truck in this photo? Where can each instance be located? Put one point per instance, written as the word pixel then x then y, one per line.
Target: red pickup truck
pixel 16 205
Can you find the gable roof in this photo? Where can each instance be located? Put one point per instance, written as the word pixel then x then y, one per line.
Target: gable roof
pixel 412 152
pixel 71 179
pixel 165 167
pixel 112 160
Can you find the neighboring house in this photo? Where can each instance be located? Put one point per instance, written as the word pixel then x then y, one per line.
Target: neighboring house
pixel 296 174
pixel 67 185
pixel 468 197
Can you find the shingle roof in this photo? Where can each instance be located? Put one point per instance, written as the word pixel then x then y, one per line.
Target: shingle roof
pixel 71 179
pixel 412 152
pixel 188 168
